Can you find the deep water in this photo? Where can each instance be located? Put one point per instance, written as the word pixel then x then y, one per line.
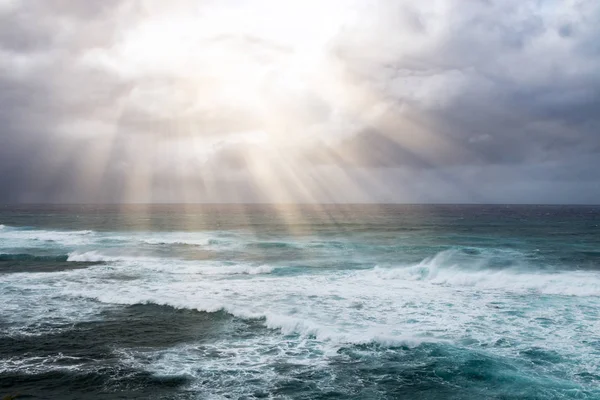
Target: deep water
pixel 300 302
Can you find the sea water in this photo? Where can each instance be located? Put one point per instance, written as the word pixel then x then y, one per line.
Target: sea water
pixel 300 302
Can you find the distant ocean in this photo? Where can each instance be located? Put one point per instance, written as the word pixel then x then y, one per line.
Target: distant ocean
pixel 300 302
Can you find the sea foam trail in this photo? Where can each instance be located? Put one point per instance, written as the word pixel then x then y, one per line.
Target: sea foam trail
pixel 178 241
pixel 38 365
pixel 95 256
pixel 143 264
pixel 353 306
pixel 39 237
pixel 237 270
pixel 576 283
pixel 448 268
pixel 83 240
pixel 445 268
pixel 433 300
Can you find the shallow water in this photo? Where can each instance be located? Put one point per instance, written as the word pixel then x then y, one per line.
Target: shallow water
pixel 306 302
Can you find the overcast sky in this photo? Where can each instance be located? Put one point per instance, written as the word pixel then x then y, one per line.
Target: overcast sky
pixel 485 101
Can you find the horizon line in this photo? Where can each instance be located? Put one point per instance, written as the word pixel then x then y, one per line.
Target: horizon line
pixel 294 204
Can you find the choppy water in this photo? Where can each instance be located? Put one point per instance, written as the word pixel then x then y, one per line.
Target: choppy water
pixel 244 302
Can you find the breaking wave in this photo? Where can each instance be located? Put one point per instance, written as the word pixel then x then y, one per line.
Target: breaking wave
pixel 481 269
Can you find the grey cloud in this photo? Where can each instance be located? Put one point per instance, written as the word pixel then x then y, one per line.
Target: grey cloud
pixel 496 47
pixel 39 25
pixel 478 95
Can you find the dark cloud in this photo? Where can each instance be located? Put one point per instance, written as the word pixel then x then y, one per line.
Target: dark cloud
pixel 498 72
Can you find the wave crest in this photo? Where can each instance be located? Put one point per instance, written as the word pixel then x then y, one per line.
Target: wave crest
pixel 89 256
pixel 478 268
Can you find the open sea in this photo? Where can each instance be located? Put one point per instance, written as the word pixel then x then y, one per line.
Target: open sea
pixel 300 302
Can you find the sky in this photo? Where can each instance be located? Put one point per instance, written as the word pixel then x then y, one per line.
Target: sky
pixel 441 101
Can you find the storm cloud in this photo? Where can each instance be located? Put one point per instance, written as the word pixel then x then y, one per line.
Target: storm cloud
pixel 393 101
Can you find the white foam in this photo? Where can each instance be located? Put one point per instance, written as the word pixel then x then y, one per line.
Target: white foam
pixel 27 237
pixel 178 238
pixel 32 304
pixel 444 269
pixel 247 364
pixel 439 299
pixel 325 306
pixel 142 264
pixel 205 239
pixel 236 270
pixel 39 365
pixel 40 237
pixel 166 241
pixel 119 256
pixel 89 256
pixel 97 256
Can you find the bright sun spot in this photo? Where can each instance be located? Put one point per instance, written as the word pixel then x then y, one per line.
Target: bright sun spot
pixel 252 80
pixel 246 54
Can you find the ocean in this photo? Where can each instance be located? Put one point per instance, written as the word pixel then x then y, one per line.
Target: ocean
pixel 300 302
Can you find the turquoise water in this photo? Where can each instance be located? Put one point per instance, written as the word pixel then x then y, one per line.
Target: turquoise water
pixel 306 302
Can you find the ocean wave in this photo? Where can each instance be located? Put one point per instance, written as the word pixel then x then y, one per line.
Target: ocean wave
pixel 33 236
pixel 285 324
pixel 452 268
pixel 288 325
pixel 236 270
pixel 38 364
pixel 33 257
pixel 181 240
pixel 90 256
pixel 475 258
pixel 436 300
pixel 170 266
pixel 98 256
pixel 87 237
pixel 568 284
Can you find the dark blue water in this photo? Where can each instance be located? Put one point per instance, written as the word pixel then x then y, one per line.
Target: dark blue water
pixel 300 302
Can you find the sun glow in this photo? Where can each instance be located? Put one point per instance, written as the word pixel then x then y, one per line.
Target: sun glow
pixel 264 59
pixel 243 48
pixel 255 83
